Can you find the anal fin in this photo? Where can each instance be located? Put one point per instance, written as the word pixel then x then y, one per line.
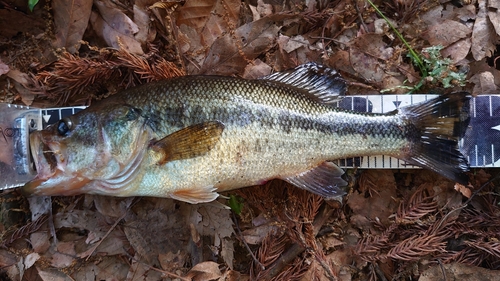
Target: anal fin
pixel 323 180
pixel 196 195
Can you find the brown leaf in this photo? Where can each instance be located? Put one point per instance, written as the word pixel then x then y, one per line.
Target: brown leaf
pixel 147 32
pixel 229 54
pixel 210 18
pixel 458 50
pixel 70 19
pixel 53 275
pixel 65 255
pixel 494 14
pixel 23 23
pixel 458 271
pixel 257 69
pixel 205 271
pixel 484 83
pixel 172 261
pixel 381 204
pixel 463 189
pixel 7 258
pixel 227 252
pixel 3 68
pixel 446 33
pixel 116 28
pixel 483 34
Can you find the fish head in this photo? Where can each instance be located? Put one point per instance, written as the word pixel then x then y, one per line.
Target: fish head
pixel 105 141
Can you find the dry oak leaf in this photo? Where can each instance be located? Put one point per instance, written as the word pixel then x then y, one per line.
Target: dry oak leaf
pixel 205 271
pixel 446 33
pixel 70 19
pixel 210 18
pixel 483 34
pixel 116 28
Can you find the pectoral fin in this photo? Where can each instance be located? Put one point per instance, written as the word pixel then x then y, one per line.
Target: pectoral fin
pixel 190 142
pixel 323 180
pixel 196 195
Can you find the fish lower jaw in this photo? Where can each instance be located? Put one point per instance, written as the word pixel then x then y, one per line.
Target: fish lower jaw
pixel 48 161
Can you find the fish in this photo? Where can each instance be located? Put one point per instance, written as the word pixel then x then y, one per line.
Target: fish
pixel 191 137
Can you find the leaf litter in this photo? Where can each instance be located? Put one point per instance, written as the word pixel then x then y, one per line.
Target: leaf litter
pixel 398 225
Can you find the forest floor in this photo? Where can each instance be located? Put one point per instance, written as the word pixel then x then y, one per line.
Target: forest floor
pixel 392 224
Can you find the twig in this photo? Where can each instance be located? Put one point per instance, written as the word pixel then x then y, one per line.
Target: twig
pixel 442 269
pixel 296 249
pixel 262 267
pixel 24 230
pixel 92 250
pixel 356 6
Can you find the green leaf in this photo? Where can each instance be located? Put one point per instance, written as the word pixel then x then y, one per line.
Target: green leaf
pixel 236 204
pixel 32 4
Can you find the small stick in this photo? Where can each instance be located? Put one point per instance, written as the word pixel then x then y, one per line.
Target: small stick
pixel 245 242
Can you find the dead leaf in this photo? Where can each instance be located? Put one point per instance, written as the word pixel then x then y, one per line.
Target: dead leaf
pixel 113 207
pixel 70 20
pixel 210 18
pixel 172 261
pixel 3 68
pixel 116 28
pixel 483 34
pixel 256 69
pixel 39 205
pixel 290 44
pixel 484 83
pixel 261 10
pixel 380 204
pixel 458 50
pixel 494 14
pixel 229 54
pixel 227 252
pixel 446 33
pixel 458 271
pixel 22 23
pixel 65 255
pixel 463 189
pixel 205 271
pixel 7 258
pixel 30 260
pixel 40 241
pixel 53 275
pixel 147 32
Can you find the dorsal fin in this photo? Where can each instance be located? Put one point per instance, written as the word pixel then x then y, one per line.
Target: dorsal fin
pixel 323 84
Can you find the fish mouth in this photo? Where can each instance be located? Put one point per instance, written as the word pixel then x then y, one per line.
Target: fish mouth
pixel 44 157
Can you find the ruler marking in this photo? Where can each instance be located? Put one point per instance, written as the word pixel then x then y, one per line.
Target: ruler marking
pixel 474 108
pixel 477 159
pixel 492 154
pixel 491 106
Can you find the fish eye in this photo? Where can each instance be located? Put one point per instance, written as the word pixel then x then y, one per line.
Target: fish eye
pixel 64 126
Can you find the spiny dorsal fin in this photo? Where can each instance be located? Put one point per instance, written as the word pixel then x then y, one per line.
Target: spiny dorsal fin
pixel 323 180
pixel 323 84
pixel 190 142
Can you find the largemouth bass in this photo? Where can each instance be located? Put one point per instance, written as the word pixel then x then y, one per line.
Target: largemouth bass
pixel 191 137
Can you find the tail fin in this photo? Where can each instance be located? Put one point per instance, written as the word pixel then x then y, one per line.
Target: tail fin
pixel 437 125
